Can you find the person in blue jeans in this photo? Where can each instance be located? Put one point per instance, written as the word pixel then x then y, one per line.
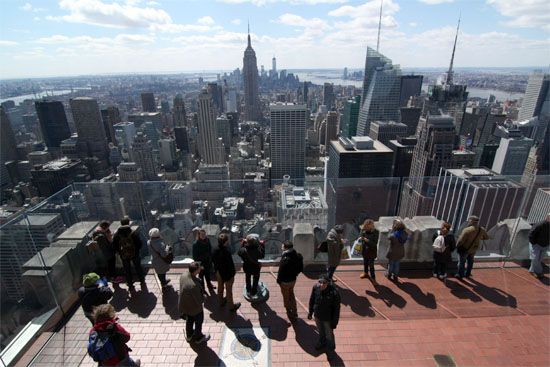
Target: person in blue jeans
pixel 468 244
pixel 396 250
pixel 539 238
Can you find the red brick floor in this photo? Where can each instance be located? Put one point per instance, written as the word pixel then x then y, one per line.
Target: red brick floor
pixel 499 317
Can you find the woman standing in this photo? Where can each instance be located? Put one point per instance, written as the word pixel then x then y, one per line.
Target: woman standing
pixel 202 253
pixel 369 237
pixel 444 245
pixel 396 250
pixel 159 250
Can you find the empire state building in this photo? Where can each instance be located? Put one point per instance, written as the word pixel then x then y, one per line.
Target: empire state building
pixel 250 75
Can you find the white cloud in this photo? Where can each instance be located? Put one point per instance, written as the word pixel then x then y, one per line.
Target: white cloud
pixel 206 20
pixel 7 43
pixel 29 7
pixel 236 21
pixel 435 2
pixel 292 2
pixel 89 41
pixel 153 3
pixel 524 14
pixel 413 24
pixel 298 21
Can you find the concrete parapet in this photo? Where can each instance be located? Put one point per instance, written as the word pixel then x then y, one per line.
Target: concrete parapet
pixel 501 236
pixel 304 241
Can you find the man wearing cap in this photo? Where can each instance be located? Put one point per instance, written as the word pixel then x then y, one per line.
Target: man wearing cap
pixel 191 300
pixel 324 304
pixel 468 244
pixel 539 239
pixel 94 292
pixel 335 245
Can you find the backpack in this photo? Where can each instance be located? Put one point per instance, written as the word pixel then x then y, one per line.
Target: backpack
pixel 300 263
pixel 100 346
pixel 127 248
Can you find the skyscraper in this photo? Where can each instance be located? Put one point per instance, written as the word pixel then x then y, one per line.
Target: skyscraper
pixel 142 154
pixel 8 149
pixel 381 89
pixel 250 75
pixel 512 154
pixel 384 131
pixel 274 65
pixel 53 123
pixel 179 113
pixel 350 115
pixel 328 95
pixel 216 92
pixel 110 117
pixel 332 127
pixel 538 90
pixel 148 103
pixel 411 86
pixel 167 148
pixel 210 148
pixel 288 141
pixel 89 126
pixel 433 151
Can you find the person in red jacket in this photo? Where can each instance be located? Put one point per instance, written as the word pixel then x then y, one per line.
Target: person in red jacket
pixel 106 322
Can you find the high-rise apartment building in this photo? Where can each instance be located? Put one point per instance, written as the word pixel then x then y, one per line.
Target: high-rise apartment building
pixel 210 148
pixel 384 131
pixel 380 100
pixel 53 123
pixel 288 141
pixel 252 111
pixel 349 117
pixel 148 103
pixel 478 191
pixel 142 154
pixel 411 86
pixel 538 90
pixel 358 180
pixel 92 139
pixel 433 151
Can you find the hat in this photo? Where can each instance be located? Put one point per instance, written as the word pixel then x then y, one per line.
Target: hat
pixel 473 218
pixel 154 232
pixel 90 279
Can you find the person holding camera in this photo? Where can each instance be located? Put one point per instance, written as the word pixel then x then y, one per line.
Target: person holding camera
pixel 324 304
pixel 225 272
pixel 251 253
pixel 335 245
pixel 94 292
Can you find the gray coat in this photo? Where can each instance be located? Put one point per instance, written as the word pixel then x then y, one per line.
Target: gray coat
pixel 191 297
pixel 157 246
pixel 335 247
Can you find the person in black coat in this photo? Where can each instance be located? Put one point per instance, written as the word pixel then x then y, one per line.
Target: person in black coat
pixel 539 238
pixel 369 249
pixel 225 272
pixel 324 304
pixel 250 253
pixel 93 293
pixel 442 258
pixel 291 264
pixel 127 244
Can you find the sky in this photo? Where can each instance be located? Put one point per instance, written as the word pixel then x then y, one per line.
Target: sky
pixel 76 37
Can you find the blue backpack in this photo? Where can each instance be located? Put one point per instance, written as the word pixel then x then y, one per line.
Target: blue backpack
pixel 100 346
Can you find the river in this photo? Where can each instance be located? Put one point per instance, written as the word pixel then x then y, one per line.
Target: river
pixel 19 99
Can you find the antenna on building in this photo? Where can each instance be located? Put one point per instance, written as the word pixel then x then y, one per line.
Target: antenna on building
pixel 249 44
pixel 450 72
pixel 379 27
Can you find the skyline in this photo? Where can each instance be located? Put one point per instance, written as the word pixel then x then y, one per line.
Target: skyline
pixel 88 37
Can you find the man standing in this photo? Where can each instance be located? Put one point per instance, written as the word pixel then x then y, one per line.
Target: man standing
pixel 539 238
pixel 335 245
pixel 324 304
pixel 202 252
pixel 104 239
pixel 251 253
pixel 127 244
pixel 191 301
pixel 468 244
pixel 225 272
pixel 292 264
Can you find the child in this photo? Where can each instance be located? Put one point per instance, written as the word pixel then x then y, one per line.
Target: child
pixel 396 250
pixel 444 245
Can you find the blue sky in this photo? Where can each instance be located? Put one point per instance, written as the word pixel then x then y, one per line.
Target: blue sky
pixel 71 37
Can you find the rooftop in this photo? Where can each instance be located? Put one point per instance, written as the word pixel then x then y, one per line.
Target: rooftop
pixel 500 316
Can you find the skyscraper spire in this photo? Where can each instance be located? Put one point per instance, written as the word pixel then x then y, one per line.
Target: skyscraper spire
pixel 379 27
pixel 450 72
pixel 249 43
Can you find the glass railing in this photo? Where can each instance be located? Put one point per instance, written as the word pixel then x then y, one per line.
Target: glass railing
pixel 45 252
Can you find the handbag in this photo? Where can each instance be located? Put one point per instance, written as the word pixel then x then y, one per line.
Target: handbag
pixel 357 247
pixel 323 247
pixel 345 253
pixel 169 258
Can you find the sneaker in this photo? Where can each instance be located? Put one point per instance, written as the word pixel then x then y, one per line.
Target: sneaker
pixel 204 339
pixel 363 275
pixel 443 276
pixel 235 307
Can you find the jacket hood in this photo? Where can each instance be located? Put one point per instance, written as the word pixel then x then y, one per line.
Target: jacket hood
pixel 125 230
pixel 104 325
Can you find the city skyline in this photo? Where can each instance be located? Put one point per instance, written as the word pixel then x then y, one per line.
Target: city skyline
pixel 73 37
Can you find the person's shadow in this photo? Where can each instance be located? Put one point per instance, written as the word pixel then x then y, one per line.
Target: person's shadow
pixel 206 356
pixel 492 294
pixel 427 300
pixel 360 305
pixel 170 302
pixel 142 303
pixel 386 295
pixel 334 359
pixel 120 298
pixel 276 325
pixel 460 291
pixel 306 337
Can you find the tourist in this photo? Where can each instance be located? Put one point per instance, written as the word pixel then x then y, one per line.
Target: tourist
pixel 191 299
pixel 539 237
pixel 396 250
pixel 127 244
pixel 94 292
pixel 335 246
pixel 324 304
pixel 369 249
pixel 159 256
pixel 290 266
pixel 467 246
pixel 443 244
pixel 225 272
pixel 202 252
pixel 251 252
pixel 103 237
